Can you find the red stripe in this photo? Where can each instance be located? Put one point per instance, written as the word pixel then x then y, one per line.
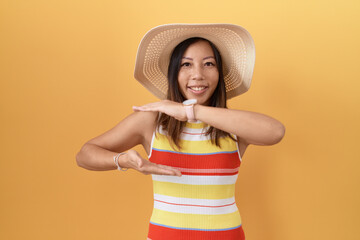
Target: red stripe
pixel 193 205
pixel 213 161
pixel 163 233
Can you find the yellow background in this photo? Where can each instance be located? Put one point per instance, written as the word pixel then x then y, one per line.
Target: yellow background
pixel 66 71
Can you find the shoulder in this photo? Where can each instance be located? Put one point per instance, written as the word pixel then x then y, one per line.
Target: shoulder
pixel 135 129
pixel 142 121
pixel 144 124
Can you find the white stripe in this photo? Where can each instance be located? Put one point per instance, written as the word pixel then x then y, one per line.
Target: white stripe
pixel 190 137
pixel 190 131
pixel 190 134
pixel 195 130
pixel 151 145
pixel 194 209
pixel 194 201
pixel 197 180
pixel 237 147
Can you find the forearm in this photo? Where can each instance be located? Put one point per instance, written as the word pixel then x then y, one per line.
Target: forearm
pixel 254 128
pixel 93 157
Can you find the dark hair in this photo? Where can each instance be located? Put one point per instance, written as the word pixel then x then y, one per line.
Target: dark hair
pixel 218 99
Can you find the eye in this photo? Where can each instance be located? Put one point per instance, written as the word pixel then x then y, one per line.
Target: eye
pixel 185 64
pixel 210 64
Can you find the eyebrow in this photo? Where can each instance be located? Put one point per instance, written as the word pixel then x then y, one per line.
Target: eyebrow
pixel 203 58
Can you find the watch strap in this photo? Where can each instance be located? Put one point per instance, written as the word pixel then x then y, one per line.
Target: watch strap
pixel 189 109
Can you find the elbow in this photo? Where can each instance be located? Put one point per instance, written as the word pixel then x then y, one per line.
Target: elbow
pixel 273 135
pixel 80 157
pixel 279 132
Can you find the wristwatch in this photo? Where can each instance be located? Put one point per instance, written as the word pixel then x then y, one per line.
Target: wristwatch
pixel 189 109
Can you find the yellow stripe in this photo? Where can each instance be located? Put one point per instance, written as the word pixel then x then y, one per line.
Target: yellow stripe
pixel 227 144
pixel 183 220
pixel 195 125
pixel 194 191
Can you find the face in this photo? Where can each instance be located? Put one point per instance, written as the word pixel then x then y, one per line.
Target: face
pixel 198 76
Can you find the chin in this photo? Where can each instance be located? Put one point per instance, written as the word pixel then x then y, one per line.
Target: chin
pixel 202 100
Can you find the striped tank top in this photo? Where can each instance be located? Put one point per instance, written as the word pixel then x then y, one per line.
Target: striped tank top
pixel 199 205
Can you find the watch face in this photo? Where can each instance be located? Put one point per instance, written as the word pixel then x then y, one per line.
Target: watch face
pixel 190 101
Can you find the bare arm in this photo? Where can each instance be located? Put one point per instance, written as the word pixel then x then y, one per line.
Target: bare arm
pixel 249 127
pixel 252 128
pixel 97 154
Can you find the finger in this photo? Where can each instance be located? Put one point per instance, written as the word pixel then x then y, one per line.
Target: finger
pixel 143 109
pixel 175 170
pixel 155 169
pixel 137 109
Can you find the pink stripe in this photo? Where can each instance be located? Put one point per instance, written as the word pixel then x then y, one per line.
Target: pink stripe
pixel 191 205
pixel 193 133
pixel 217 170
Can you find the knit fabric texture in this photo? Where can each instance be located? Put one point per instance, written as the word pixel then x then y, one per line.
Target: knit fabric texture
pixel 201 203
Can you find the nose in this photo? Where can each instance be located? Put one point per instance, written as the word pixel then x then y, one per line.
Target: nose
pixel 197 73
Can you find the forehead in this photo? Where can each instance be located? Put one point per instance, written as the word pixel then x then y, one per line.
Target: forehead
pixel 200 47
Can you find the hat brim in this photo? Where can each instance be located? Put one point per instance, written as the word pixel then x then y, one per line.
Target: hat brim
pixel 234 43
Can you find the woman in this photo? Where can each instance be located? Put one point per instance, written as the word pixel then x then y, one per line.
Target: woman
pixel 194 143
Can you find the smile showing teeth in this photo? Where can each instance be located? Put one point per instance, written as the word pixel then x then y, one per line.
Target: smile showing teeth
pixel 197 88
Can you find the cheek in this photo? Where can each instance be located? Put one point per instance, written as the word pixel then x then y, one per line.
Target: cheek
pixel 181 83
pixel 214 77
pixel 182 80
pixel 181 76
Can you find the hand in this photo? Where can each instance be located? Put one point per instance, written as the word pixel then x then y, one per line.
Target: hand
pixel 135 161
pixel 173 109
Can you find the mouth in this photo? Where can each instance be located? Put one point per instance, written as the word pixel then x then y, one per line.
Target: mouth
pixel 197 89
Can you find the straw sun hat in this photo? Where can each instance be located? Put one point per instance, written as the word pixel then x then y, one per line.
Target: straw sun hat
pixel 233 42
